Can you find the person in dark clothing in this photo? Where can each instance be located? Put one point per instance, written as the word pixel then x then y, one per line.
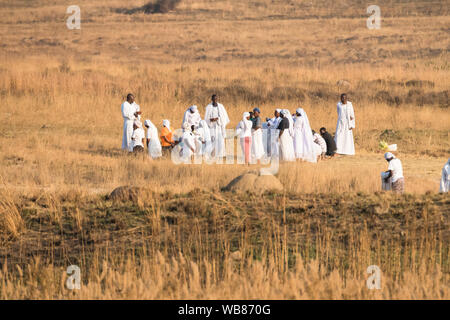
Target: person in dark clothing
pixel 331 144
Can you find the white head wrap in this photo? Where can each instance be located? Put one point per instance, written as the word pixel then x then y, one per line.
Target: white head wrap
pixel 278 110
pixel 388 155
pixel 245 115
pixel 137 123
pixel 166 123
pixel 193 108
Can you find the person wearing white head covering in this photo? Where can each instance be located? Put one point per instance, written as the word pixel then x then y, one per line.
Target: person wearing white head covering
pixel 138 136
pixel 445 178
pixel 285 139
pixel 217 119
pixel 188 146
pixel 272 136
pixel 167 142
pixel 204 138
pixel 303 138
pixel 394 173
pixel 244 130
pixel 192 116
pixel 153 143
pixel 344 128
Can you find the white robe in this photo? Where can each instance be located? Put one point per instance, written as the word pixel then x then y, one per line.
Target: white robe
pixel 287 146
pixel 272 136
pixel 193 119
pixel 128 111
pixel 204 138
pixel 217 129
pixel 303 139
pixel 344 136
pixel 154 145
pixel 445 178
pixel 188 140
pixel 257 144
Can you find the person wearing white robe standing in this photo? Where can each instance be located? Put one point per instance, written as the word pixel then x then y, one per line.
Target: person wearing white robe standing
pixel 445 178
pixel 272 136
pixel 217 119
pixel 344 128
pixel 129 114
pixel 153 143
pixel 204 139
pixel 303 138
pixel 244 130
pixel 257 137
pixel 188 140
pixel 192 116
pixel 285 139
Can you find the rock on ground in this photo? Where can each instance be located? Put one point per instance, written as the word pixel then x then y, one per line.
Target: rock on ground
pixel 252 182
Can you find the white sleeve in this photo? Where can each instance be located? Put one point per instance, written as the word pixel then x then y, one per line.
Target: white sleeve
pixel 352 114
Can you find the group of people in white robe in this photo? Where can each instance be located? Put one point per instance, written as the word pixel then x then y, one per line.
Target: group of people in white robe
pixel 286 136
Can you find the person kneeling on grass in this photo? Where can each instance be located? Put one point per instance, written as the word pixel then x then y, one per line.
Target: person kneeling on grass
pixel 318 140
pixel 138 137
pixel 331 144
pixel 395 173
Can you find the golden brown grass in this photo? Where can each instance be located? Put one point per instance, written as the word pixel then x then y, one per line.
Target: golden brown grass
pixel 60 154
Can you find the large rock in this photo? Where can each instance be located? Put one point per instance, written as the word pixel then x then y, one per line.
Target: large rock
pixel 126 193
pixel 254 183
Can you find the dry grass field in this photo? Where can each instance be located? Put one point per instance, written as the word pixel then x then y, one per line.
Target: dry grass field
pixel 60 155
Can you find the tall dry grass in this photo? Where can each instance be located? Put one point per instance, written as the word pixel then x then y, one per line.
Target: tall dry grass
pixel 60 154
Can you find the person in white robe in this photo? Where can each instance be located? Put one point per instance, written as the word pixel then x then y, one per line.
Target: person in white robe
pixel 257 137
pixel 217 119
pixel 303 139
pixel 286 143
pixel 344 128
pixel 188 143
pixel 129 114
pixel 321 150
pixel 272 134
pixel 153 143
pixel 192 116
pixel 204 139
pixel 244 131
pixel 445 178
pixel 138 137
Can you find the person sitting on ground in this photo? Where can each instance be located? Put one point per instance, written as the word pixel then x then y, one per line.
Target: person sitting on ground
pixel 167 142
pixel 317 138
pixel 395 173
pixel 329 140
pixel 138 137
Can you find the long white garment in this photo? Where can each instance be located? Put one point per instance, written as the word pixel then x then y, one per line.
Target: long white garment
pixel 445 178
pixel 303 138
pixel 257 144
pixel 128 111
pixel 137 137
pixel 272 136
pixel 217 128
pixel 205 138
pixel 188 140
pixel 192 118
pixel 320 141
pixel 344 136
pixel 287 146
pixel 154 145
